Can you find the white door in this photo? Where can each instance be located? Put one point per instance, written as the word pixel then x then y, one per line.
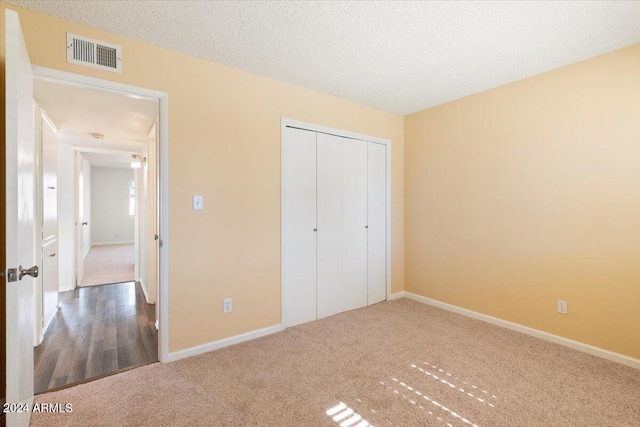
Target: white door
pixel 154 219
pixel 49 274
pixel 50 256
pixel 79 197
pixel 354 225
pixel 20 165
pixel 49 181
pixel 377 222
pixel 298 227
pixel 330 232
pixel 86 207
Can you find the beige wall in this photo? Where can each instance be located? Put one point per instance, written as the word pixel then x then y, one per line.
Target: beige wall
pixel 529 193
pixel 514 197
pixel 224 143
pixel 110 206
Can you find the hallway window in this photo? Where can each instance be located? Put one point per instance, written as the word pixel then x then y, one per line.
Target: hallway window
pixel 132 197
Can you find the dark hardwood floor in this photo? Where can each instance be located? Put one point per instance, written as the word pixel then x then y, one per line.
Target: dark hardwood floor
pixel 98 330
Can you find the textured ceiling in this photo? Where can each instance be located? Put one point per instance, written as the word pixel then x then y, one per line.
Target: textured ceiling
pixel 401 57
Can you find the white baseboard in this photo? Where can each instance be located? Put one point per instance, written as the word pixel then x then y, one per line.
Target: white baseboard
pixel 215 345
pixel 48 321
pixel 576 345
pixel 396 296
pixel 65 289
pixel 144 289
pixel 124 242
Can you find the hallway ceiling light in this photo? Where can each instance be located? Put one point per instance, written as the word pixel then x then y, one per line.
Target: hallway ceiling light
pixel 96 135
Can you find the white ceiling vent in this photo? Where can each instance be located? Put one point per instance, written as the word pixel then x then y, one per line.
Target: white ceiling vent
pixel 94 53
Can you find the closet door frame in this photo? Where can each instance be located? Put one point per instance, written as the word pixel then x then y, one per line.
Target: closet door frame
pixel 285 123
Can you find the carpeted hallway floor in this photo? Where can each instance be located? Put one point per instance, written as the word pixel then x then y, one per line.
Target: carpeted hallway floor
pixel 396 363
pixel 107 264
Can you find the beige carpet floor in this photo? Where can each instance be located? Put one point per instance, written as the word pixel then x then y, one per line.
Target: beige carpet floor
pixel 107 264
pixel 396 363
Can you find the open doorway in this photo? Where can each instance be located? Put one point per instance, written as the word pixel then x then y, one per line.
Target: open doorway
pixel 106 219
pixel 96 300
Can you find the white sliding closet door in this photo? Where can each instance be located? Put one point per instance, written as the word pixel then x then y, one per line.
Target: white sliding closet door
pixel 334 223
pixel 354 222
pixel 299 222
pixel 330 225
pixel 377 208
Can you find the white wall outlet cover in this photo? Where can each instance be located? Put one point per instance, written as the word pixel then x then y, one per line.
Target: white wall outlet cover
pixel 197 203
pixel 227 306
pixel 562 307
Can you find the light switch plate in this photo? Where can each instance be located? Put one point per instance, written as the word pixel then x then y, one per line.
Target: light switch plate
pixel 197 203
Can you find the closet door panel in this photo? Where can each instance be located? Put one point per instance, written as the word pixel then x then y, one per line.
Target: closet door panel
pixel 49 281
pixel 298 223
pixel 377 211
pixel 49 181
pixel 330 257
pixel 354 222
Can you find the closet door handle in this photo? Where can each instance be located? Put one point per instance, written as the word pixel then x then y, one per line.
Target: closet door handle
pixel 366 226
pixel 51 188
pixel 52 255
pixel 315 229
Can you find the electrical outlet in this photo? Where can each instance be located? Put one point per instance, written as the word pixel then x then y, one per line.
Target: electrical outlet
pixel 227 307
pixel 562 307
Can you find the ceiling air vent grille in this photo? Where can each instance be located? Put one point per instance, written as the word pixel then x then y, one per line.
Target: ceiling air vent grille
pixel 93 53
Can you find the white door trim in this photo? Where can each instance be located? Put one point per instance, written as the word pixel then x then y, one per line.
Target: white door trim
pixel 63 77
pixel 286 122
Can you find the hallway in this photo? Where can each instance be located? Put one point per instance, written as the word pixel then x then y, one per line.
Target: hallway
pixel 107 264
pixel 98 330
